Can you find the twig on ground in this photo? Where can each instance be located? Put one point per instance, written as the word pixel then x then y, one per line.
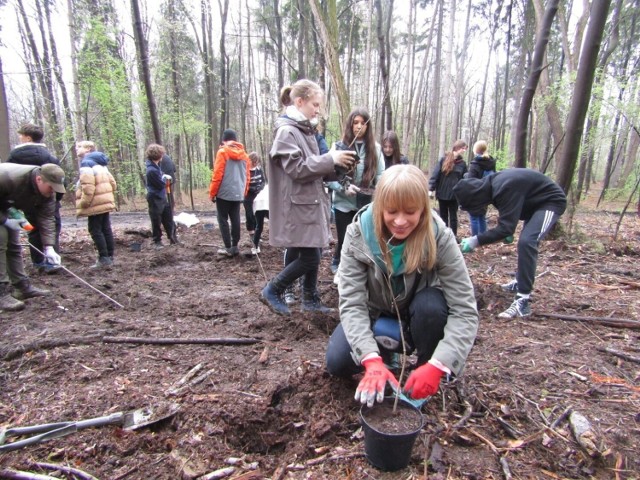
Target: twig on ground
pixel 190 374
pixel 610 322
pixel 616 353
pixel 183 341
pixel 505 468
pixel 68 470
pixel 20 475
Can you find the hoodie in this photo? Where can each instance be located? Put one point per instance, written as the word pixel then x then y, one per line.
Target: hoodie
pixel 31 154
pixel 230 178
pixel 481 166
pixel 96 186
pixel 517 193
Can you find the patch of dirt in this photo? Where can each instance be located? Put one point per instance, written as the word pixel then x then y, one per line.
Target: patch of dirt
pixel 268 409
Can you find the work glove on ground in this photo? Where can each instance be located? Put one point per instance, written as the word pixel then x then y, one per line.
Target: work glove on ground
pixel 351 190
pixel 371 387
pixel 469 244
pixel 508 240
pixel 344 159
pixel 167 178
pixel 13 224
pixel 51 256
pixel 424 381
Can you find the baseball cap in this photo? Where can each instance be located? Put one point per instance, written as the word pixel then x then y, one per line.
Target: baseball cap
pixel 54 176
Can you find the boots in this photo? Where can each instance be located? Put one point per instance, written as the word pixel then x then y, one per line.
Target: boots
pixel 24 290
pixel 103 262
pixel 7 302
pixel 272 298
pixel 311 302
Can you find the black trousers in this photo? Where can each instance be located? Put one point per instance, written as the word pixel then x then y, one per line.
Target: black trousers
pixel 299 262
pixel 229 211
pixel 533 231
pixel 260 216
pixel 343 219
pixel 160 215
pixel 101 234
pixel 249 214
pixel 428 314
pixel 449 214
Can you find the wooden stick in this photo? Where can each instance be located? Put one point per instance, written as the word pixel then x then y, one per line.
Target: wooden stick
pixel 610 322
pixel 68 470
pixel 19 475
pixel 616 353
pixel 180 341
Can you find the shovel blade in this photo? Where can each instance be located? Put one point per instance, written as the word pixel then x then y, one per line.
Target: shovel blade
pixel 143 417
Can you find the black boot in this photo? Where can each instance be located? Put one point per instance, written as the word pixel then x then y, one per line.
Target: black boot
pixel 24 290
pixel 272 298
pixel 7 302
pixel 311 302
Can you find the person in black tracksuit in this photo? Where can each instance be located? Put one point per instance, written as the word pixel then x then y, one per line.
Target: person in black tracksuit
pixel 449 171
pixel 518 194
pixel 31 151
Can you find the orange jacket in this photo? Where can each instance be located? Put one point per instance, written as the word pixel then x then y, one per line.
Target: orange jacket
pixel 230 177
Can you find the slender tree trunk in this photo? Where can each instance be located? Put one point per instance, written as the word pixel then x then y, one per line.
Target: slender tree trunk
pixel 386 116
pixel 582 91
pixel 505 96
pixel 143 60
pixel 532 83
pixel 460 76
pixel 5 138
pixel 434 115
pixel 224 73
pixel 280 55
pixel 302 71
pixel 328 33
pixel 73 40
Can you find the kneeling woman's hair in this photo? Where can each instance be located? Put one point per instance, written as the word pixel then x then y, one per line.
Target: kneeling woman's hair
pixel 405 188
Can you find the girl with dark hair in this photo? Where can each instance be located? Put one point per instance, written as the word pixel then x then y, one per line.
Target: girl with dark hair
pixel 449 171
pixel 391 150
pixel 358 136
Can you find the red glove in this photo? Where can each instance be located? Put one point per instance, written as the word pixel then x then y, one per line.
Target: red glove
pixel 424 381
pixel 371 387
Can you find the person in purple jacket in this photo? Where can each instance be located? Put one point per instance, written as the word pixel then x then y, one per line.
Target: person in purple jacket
pixel 518 194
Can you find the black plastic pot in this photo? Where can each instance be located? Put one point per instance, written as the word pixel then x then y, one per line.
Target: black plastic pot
pixel 389 451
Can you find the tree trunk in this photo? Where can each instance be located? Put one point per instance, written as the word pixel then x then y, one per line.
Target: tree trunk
pixel 446 85
pixel 280 55
pixel 459 96
pixel 328 33
pixel 386 115
pixel 582 92
pixel 176 102
pixel 143 62
pixel 5 138
pixel 503 124
pixel 302 71
pixel 434 114
pixel 74 40
pixel 224 74
pixel 532 83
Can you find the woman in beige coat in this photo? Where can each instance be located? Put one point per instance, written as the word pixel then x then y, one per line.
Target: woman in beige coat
pixel 298 215
pixel 95 199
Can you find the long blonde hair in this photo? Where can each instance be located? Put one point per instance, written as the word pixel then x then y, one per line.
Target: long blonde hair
pixel 404 187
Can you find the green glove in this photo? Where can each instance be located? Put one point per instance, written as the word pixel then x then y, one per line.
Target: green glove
pixel 469 244
pixel 508 240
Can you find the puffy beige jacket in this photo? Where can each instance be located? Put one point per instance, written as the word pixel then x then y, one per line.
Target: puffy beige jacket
pixel 95 191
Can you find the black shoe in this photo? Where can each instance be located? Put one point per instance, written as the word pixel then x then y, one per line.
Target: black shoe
pixel 24 290
pixel 312 303
pixel 274 301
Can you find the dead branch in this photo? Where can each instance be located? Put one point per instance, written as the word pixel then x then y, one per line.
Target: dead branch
pixel 183 341
pixel 609 322
pixel 505 468
pixel 616 353
pixel 49 343
pixel 20 475
pixel 67 470
pixel 190 374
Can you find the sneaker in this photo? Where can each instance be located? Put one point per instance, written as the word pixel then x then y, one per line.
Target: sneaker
pixel 103 262
pixel 334 266
pixel 274 301
pixel 255 250
pixel 227 252
pixel 158 245
pixel 289 296
pixel 46 267
pixel 521 307
pixel 511 286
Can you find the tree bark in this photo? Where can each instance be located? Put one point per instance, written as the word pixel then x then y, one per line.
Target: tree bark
pixel 582 92
pixel 224 77
pixel 5 138
pixel 386 117
pixel 143 61
pixel 532 83
pixel 329 42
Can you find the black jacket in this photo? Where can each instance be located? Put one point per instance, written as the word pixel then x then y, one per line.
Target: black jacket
pixel 481 166
pixel 517 193
pixel 443 184
pixel 31 154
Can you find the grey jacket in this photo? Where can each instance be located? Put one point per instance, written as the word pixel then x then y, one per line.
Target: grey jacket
pixel 298 203
pixel 364 294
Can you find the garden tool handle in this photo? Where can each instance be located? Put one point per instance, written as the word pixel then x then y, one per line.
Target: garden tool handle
pixel 60 432
pixel 46 427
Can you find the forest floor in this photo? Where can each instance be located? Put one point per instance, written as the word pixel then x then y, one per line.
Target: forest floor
pixel 269 410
